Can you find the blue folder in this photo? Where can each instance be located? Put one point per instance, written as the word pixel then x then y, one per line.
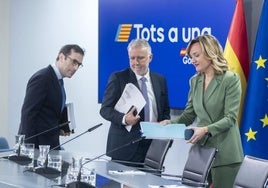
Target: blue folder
pixel 158 131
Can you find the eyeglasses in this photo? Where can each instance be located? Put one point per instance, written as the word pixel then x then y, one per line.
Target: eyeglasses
pixel 75 62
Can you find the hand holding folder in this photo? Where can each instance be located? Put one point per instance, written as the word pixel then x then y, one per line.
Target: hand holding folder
pixel 131 96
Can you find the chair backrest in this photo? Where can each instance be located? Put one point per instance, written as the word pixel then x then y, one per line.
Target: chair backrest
pixel 253 173
pixel 156 153
pixel 3 143
pixel 198 165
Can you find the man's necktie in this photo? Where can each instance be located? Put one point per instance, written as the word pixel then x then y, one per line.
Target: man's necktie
pixel 63 94
pixel 145 95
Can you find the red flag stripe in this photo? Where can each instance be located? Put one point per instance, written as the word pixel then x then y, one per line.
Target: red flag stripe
pixel 238 37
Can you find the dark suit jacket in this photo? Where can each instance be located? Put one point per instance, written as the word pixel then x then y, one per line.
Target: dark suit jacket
pixel 118 135
pixel 41 109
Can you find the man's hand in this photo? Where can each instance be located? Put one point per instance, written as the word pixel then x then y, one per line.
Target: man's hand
pixel 63 133
pixel 131 118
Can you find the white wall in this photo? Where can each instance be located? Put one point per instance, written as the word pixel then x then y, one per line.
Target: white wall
pixel 38 29
pixel 4 54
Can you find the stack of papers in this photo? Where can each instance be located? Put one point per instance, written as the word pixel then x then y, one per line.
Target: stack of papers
pixel 167 186
pixel 131 96
pixel 158 131
pixel 126 172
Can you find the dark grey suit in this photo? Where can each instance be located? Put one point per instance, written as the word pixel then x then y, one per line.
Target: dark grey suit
pixel 41 109
pixel 118 135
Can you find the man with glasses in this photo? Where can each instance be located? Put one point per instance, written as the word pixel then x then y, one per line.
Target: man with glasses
pixel 45 98
pixel 139 74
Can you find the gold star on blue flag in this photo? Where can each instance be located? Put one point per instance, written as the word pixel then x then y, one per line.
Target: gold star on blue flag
pixel 254 126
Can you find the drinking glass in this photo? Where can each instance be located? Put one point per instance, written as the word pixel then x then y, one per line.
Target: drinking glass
pixel 43 152
pixel 55 161
pixel 73 169
pixel 89 176
pixel 27 149
pixel 19 140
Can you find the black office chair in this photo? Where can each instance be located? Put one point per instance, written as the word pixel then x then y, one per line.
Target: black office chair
pixel 154 158
pixel 253 173
pixel 197 166
pixel 3 144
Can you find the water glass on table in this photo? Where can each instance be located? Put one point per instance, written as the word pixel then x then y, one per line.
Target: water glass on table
pixel 19 140
pixel 87 176
pixel 73 170
pixel 27 149
pixel 55 161
pixel 43 154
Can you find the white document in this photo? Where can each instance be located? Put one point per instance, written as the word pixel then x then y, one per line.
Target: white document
pixel 131 96
pixel 167 186
pixel 70 115
pixel 126 172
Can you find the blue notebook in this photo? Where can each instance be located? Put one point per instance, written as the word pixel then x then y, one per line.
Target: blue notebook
pixel 158 131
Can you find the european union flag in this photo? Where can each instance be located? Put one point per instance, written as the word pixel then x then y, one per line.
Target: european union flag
pixel 254 127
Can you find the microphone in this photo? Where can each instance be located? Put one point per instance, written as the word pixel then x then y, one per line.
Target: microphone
pixel 23 160
pixel 79 184
pixel 48 170
pixel 188 133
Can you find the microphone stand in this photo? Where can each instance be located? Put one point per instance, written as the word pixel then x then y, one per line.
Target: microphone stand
pixel 79 184
pixel 58 126
pixel 23 160
pixel 18 158
pixel 44 170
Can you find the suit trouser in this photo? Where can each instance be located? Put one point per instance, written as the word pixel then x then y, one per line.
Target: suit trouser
pixel 224 176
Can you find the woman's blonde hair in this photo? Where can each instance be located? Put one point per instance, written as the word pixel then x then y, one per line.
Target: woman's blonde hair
pixel 213 50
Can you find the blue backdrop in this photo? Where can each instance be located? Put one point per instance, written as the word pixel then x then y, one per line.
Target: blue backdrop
pixel 168 25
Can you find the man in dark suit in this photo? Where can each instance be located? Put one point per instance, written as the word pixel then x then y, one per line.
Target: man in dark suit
pixel 45 98
pixel 140 56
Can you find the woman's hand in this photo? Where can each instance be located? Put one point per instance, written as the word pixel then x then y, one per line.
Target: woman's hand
pixel 165 122
pixel 199 133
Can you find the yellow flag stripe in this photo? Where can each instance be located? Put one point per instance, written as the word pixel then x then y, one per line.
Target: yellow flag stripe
pixel 235 66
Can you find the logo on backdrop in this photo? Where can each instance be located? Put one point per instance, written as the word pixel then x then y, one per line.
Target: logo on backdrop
pixel 160 34
pixel 123 32
pixel 168 26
